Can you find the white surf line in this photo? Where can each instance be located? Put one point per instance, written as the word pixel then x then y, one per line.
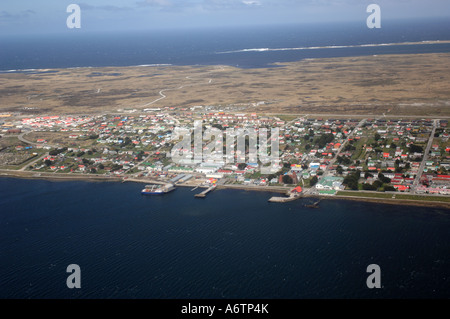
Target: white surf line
pixel 163 96
pixel 336 46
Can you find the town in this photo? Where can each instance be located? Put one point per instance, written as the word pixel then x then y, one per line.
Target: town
pixel 317 156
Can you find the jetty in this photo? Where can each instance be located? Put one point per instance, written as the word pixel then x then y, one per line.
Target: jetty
pixel 206 191
pixel 292 195
pixel 276 199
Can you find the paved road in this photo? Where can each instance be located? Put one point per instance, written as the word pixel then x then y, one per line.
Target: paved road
pixel 425 158
pixel 33 162
pixel 22 138
pixel 163 96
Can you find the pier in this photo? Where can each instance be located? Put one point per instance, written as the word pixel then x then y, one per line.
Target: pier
pixel 206 191
pixel 276 199
pixel 291 195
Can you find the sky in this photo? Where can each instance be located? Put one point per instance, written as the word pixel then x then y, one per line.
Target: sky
pixel 49 16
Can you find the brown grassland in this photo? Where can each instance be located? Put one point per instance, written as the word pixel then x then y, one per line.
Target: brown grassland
pixel 392 84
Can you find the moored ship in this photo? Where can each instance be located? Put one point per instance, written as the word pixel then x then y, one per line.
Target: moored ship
pixel 157 189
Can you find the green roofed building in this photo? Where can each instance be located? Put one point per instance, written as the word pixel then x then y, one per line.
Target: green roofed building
pixel 330 183
pixel 327 192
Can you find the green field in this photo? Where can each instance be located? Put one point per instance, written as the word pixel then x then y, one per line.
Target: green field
pixel 359 153
pixel 286 117
pixel 397 196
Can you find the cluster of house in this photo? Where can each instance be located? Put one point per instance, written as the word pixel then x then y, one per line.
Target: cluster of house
pixel 48 122
pixel 227 120
pixel 307 147
pixel 434 184
pixel 83 160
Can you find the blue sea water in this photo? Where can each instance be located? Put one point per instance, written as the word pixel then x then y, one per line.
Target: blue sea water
pixel 205 47
pixel 233 244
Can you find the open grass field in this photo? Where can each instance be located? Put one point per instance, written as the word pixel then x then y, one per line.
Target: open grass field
pixel 397 196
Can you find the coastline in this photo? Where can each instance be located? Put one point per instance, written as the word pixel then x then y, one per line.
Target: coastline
pixel 57 177
pixel 271 189
pixel 161 64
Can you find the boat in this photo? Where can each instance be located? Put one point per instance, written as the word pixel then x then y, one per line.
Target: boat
pixel 157 189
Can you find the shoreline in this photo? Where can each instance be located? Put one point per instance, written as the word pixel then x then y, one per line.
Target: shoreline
pixel 57 177
pixel 390 201
pixel 270 189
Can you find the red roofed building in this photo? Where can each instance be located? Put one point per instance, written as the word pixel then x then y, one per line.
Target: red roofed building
pixel 297 190
pixel 401 188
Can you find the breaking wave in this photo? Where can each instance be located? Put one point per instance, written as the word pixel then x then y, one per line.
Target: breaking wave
pixel 327 47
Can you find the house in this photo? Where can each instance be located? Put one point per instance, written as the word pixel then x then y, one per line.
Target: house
pixel 206 169
pixel 296 168
pixel 297 190
pixel 401 188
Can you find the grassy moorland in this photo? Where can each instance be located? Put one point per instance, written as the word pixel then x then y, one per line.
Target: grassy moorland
pixel 414 85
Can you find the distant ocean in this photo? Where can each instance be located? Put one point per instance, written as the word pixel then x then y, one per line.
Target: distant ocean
pixel 249 47
pixel 232 244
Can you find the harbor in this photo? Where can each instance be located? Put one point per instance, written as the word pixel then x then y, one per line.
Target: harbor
pixel 195 183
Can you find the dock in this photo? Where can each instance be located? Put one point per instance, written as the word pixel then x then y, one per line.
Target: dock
pixel 206 191
pixel 276 199
pixel 291 195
